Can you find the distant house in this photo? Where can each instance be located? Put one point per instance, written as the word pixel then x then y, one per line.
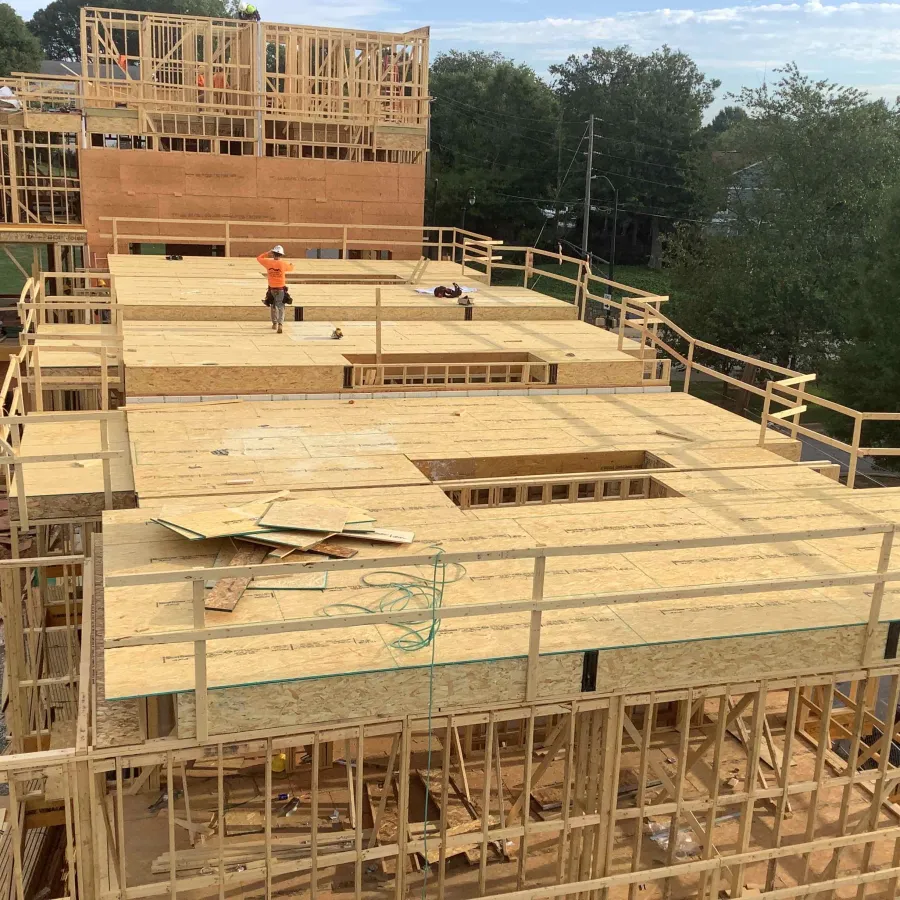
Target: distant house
pixel 744 183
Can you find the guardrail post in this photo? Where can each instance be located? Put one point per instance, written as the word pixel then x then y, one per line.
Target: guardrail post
pixel 227 238
pixel 764 417
pixel 884 561
pixel 38 385
pixel 115 234
pixel 201 698
pixel 854 451
pixel 688 369
pixel 529 263
pixel 534 636
pixel 344 242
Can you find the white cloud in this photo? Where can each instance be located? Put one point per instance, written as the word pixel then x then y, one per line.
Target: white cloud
pixel 827 38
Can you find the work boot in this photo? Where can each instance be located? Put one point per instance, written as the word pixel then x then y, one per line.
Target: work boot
pixel 274 326
pixel 279 329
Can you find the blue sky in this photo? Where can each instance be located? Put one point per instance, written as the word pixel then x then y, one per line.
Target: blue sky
pixel 855 43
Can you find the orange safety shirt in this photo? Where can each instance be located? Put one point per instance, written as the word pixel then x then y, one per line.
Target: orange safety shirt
pixel 276 269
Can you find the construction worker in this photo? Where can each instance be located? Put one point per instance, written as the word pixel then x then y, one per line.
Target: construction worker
pixel 248 12
pixel 276 268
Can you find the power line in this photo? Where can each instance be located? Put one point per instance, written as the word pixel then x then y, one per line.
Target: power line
pixel 546 200
pixel 603 137
pixel 640 162
pixel 562 184
pixel 482 158
pixel 679 187
pixel 654 215
pixel 492 113
pixel 491 123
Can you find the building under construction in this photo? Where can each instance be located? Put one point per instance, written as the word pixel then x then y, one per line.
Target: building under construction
pixel 426 596
pixel 179 117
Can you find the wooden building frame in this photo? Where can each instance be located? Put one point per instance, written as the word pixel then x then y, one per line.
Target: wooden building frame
pixel 86 788
pixel 780 730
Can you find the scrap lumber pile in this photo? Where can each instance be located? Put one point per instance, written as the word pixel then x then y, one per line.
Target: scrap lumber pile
pixel 277 528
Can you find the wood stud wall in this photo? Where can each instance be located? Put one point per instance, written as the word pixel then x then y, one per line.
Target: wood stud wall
pixel 642 808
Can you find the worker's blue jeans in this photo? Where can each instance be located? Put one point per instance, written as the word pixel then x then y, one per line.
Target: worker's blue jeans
pixel 277 307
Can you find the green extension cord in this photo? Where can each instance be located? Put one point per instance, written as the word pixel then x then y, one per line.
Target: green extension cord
pixel 402 591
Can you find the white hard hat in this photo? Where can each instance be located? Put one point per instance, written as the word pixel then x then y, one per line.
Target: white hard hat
pixel 278 249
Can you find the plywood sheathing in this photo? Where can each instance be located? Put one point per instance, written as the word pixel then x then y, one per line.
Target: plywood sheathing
pixel 73 489
pixel 115 722
pixel 246 269
pixel 302 445
pixel 186 358
pixel 131 546
pixel 751 634
pixel 248 188
pixel 236 300
pixel 243 358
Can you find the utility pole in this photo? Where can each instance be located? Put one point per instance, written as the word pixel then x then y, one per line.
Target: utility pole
pixel 587 189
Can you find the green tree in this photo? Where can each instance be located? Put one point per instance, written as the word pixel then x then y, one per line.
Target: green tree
pixel 866 373
pixel 648 118
pixel 493 134
pixel 58 24
pixel 727 117
pixel 775 274
pixel 19 50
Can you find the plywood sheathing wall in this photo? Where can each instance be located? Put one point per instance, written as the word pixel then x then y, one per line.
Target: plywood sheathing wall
pixel 248 188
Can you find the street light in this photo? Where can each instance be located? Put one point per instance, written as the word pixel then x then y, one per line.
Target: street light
pixel 612 249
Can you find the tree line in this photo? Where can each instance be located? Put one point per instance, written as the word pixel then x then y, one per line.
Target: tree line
pixel 776 221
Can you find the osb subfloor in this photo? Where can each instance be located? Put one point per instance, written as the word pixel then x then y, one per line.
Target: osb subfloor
pixel 171 296
pixel 247 268
pixel 147 834
pixel 178 358
pixel 338 449
pixel 59 479
pixel 312 444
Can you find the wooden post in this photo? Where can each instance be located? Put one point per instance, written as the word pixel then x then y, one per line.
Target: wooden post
pixel 884 561
pixel 534 639
pixel 15 661
pixel 764 418
pixel 688 369
pixel 344 243
pixel 402 813
pixel 38 386
pixel 379 377
pixel 227 238
pixel 314 821
pixel 854 451
pixel 201 699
